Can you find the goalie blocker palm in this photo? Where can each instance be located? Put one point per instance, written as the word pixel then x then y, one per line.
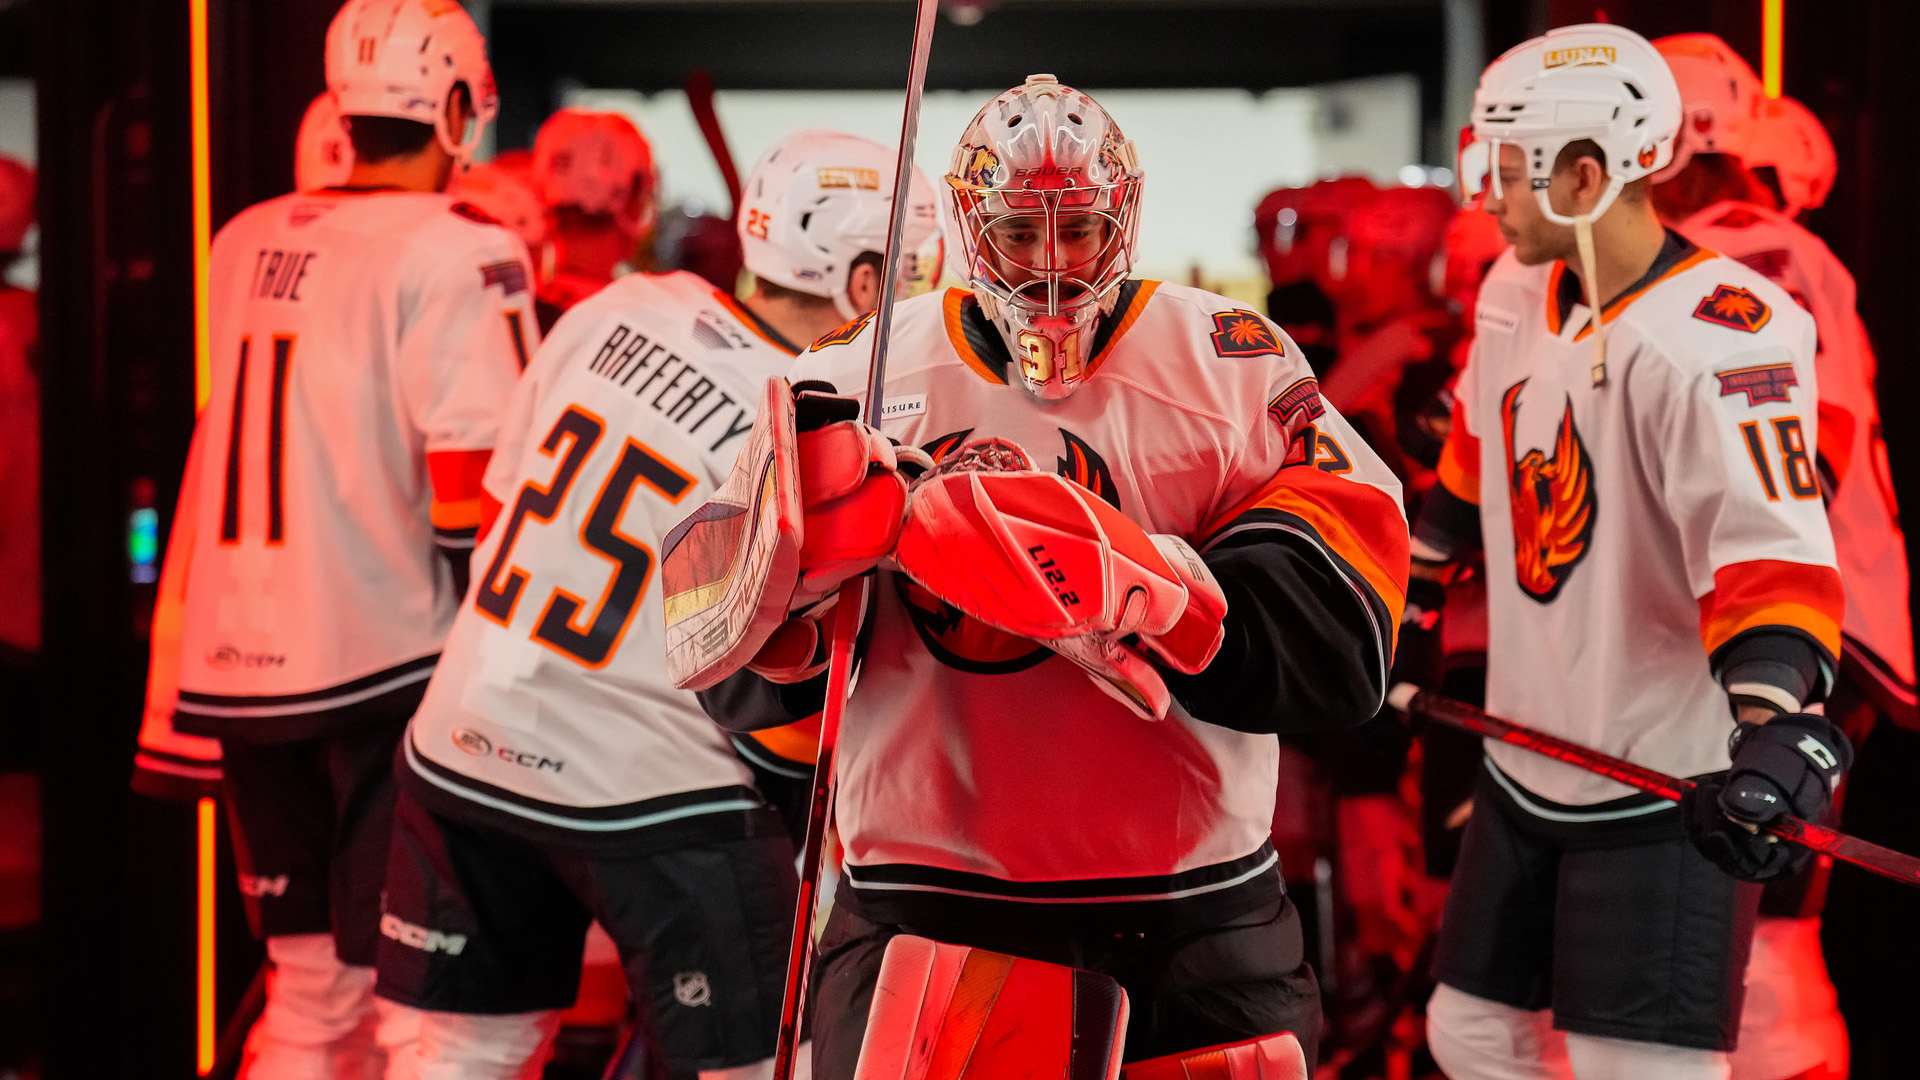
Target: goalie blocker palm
pixel 815 498
pixel 1035 554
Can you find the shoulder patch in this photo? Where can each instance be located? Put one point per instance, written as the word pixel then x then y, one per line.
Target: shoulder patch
pixel 1737 218
pixel 843 335
pixel 509 274
pixel 473 213
pixel 1243 333
pixel 1734 308
pixel 1761 384
pixel 1298 405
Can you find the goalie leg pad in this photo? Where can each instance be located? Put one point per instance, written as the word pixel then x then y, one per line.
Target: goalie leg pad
pixel 1269 1057
pixel 946 1012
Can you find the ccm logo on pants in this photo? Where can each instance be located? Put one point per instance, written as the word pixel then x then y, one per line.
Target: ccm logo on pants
pixel 419 937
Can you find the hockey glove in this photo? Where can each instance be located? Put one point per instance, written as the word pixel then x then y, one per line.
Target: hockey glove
pixel 853 490
pixel 1037 555
pixel 1788 765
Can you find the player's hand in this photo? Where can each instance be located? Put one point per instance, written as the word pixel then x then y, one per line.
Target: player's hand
pixel 1034 554
pixel 853 490
pixel 1788 765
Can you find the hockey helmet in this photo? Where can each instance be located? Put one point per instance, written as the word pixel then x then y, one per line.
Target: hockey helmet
pixel 16 203
pixel 817 200
pixel 598 162
pixel 1302 232
pixel 322 153
pixel 506 194
pixel 1592 81
pixel 1400 231
pixel 1720 98
pixel 403 58
pixel 1793 142
pixel 1038 164
pixel 1473 243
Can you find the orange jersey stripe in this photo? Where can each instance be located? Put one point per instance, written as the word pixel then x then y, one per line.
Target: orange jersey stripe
pixel 1357 522
pixel 490 508
pixel 953 306
pixel 1620 302
pixel 456 487
pixel 797 742
pixel 1127 319
pixel 1459 468
pixel 1768 592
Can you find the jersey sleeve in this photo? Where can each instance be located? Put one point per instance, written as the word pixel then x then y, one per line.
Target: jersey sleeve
pixel 1737 443
pixel 1309 542
pixel 1449 521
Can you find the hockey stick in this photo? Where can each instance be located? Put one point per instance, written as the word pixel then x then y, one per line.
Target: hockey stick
pixel 1412 700
pixel 853 601
pixel 700 99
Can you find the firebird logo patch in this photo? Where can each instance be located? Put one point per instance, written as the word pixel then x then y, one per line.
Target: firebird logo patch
pixel 1242 333
pixel 979 166
pixel 843 335
pixel 1647 154
pixel 1084 466
pixel 1553 504
pixel 1734 308
pixel 1768 382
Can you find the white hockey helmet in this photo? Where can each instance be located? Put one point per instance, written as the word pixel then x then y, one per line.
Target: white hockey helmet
pixel 1720 98
pixel 598 162
pixel 1593 81
pixel 16 203
pixel 403 58
pixel 507 196
pixel 818 200
pixel 322 153
pixel 1793 142
pixel 1046 151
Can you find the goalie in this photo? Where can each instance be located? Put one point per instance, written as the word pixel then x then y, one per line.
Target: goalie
pixel 1137 478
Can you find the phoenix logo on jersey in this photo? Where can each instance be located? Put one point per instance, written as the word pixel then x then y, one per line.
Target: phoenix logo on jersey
pixel 971 645
pixel 845 333
pixel 1553 504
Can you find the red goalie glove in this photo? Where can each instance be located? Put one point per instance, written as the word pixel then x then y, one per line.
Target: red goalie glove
pixel 1035 554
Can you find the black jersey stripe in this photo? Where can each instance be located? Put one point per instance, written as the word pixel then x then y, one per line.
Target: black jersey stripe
pixel 201 703
pixel 905 877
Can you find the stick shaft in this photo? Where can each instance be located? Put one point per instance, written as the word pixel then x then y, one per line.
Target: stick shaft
pixel 700 99
pixel 1886 862
pixel 923 21
pixel 846 626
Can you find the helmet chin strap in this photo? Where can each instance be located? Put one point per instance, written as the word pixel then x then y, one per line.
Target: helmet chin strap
pixel 1583 236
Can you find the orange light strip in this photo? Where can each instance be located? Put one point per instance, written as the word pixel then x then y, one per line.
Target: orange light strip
pixel 1772 19
pixel 203 992
pixel 202 198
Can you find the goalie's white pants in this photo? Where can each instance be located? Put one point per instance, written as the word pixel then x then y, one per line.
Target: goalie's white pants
pixel 321 1020
pixel 1472 1038
pixel 515 1046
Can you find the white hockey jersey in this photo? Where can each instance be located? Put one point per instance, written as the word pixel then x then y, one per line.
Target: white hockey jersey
pixel 974 763
pixel 1633 528
pixel 363 346
pixel 552 704
pixel 1853 455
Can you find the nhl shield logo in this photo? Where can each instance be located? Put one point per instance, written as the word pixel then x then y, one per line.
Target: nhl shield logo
pixel 690 988
pixel 1734 308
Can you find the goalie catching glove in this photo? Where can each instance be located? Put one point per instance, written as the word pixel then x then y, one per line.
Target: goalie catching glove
pixel 1037 555
pixel 815 498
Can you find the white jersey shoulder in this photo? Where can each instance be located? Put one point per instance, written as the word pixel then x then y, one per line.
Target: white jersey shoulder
pixel 353 336
pixel 552 703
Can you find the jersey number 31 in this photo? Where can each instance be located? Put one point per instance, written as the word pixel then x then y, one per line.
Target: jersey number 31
pixel 565 624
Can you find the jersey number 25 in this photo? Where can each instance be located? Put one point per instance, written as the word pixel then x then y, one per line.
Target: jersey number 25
pixel 588 637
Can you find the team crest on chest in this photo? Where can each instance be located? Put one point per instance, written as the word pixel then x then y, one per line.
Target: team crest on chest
pixel 1553 505
pixel 1082 465
pixel 1734 308
pixel 1243 333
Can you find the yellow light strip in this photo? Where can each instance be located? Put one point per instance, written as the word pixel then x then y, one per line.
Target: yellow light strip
pixel 203 990
pixel 202 198
pixel 1772 18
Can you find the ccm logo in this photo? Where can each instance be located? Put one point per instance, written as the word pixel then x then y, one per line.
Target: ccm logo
pixel 419 937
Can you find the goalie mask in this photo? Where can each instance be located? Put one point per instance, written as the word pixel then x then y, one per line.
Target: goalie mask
pixel 1047 196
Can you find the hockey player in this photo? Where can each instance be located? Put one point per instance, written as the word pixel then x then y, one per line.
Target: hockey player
pixel 1301 236
pixel 364 342
pixel 553 774
pixel 991 793
pixel 1658 568
pixel 508 196
pixel 595 173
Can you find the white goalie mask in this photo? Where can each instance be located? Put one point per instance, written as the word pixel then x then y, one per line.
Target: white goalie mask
pixel 818 200
pixel 1047 197
pixel 403 58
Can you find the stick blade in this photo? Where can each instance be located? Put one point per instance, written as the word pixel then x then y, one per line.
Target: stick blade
pixel 948 1012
